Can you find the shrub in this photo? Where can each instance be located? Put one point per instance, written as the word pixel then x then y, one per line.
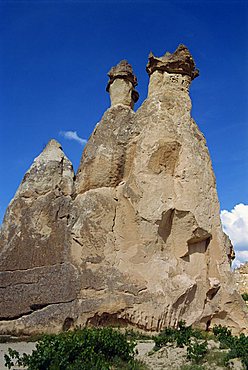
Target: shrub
pixel 196 351
pixel 181 336
pixel 238 345
pixel 239 349
pixel 166 336
pixel 224 336
pixel 215 358
pixel 245 296
pixel 96 349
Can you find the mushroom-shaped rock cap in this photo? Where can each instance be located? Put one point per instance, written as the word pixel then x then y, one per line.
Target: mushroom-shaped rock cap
pixel 122 70
pixel 181 61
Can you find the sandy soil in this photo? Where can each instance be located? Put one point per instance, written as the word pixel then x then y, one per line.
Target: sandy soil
pixel 154 362
pixel 169 357
pixel 21 347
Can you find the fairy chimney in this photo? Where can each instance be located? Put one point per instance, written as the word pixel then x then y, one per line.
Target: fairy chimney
pixel 135 237
pixel 121 85
pixel 171 71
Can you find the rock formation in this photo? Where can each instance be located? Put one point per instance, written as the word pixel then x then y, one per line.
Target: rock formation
pixel 121 85
pixel 135 237
pixel 241 278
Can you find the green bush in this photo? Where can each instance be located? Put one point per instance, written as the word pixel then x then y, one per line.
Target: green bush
pixel 215 357
pixel 245 296
pixel 197 351
pixel 166 336
pixel 96 349
pixel 180 336
pixel 238 345
pixel 224 336
pixel 105 349
pixel 183 334
pixel 239 349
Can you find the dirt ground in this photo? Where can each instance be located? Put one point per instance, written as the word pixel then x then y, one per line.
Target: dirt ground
pixel 21 347
pixel 163 359
pixel 169 357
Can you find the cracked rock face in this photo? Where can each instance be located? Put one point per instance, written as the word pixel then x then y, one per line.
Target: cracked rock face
pixel 241 277
pixel 35 240
pixel 135 238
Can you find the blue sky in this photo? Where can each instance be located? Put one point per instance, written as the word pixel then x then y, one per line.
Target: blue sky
pixel 54 59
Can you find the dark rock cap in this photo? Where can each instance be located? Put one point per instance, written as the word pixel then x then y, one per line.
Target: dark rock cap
pixel 122 70
pixel 181 61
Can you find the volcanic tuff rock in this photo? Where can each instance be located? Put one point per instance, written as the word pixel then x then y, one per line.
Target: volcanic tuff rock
pixel 121 85
pixel 241 278
pixel 35 244
pixel 135 237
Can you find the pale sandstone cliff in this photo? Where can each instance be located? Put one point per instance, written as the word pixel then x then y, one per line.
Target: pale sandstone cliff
pixel 241 278
pixel 135 237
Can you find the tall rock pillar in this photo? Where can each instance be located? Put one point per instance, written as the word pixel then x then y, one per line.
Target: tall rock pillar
pixel 135 237
pixel 121 85
pixel 103 160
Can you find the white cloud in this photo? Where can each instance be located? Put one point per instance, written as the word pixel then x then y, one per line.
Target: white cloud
pixel 235 225
pixel 72 135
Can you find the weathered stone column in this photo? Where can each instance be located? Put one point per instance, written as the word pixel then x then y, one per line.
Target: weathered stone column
pixel 171 71
pixel 121 85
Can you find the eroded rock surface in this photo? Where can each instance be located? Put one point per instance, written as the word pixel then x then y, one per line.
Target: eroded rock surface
pixel 121 85
pixel 180 62
pixel 241 278
pixel 35 238
pixel 135 238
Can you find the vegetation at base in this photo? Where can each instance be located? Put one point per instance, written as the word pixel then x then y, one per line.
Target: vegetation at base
pixel 237 345
pixel 96 349
pixel 181 336
pixel 224 336
pixel 192 367
pixel 196 342
pixel 216 357
pixel 184 336
pixel 134 335
pixel 245 296
pixel 196 351
pixel 108 348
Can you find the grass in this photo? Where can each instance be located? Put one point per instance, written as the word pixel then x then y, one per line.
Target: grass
pixel 135 365
pixel 192 367
pixel 216 357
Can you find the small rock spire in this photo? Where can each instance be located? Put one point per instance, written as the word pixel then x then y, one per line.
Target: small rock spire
pixel 121 85
pixel 179 62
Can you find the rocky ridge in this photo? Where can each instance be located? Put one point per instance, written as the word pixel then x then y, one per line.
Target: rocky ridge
pixel 134 238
